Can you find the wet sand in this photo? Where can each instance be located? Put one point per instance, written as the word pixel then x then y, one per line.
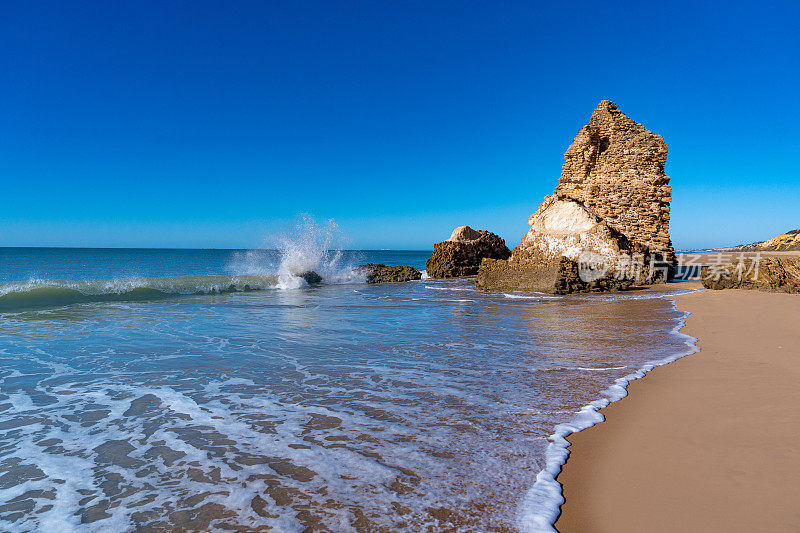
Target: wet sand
pixel 710 442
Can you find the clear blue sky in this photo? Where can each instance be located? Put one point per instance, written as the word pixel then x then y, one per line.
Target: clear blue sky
pixel 213 124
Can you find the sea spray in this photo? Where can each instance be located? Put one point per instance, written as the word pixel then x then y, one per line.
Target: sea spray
pixel 310 246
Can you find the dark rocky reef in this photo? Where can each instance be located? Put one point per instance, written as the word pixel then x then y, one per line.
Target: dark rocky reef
pixel 769 274
pixel 380 273
pixel 462 253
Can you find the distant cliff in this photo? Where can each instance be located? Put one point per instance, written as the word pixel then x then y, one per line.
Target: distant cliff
pixel 786 242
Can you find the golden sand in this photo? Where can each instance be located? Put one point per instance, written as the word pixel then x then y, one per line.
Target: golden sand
pixel 710 442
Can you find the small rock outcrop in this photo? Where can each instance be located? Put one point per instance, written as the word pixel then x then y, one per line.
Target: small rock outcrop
pixel 311 277
pixel 770 274
pixel 462 253
pixel 380 273
pixel 606 225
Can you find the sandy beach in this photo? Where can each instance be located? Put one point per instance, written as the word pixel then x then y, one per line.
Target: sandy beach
pixel 707 443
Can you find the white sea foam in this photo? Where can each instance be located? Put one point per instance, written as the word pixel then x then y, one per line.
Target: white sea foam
pixel 20 401
pixel 451 288
pixel 419 299
pixel 14 373
pixel 540 507
pixel 532 296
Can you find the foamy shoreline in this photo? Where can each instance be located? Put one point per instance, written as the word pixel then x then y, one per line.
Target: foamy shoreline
pixel 541 506
pixel 690 452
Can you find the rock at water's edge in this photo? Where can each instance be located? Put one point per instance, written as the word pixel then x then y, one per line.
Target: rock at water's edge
pixel 610 211
pixel 536 273
pixel 564 227
pixel 311 277
pixel 462 253
pixel 380 273
pixel 769 274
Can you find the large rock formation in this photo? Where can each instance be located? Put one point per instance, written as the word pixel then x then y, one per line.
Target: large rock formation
pixel 564 227
pixel 607 223
pixel 462 253
pixel 771 274
pixel 615 168
pixel 380 273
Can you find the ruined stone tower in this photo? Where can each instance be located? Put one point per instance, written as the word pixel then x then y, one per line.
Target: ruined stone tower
pixel 606 226
pixel 615 168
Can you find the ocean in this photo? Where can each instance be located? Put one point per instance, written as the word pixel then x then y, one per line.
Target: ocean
pixel 147 390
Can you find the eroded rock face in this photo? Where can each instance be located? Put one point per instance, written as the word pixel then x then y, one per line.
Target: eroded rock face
pixel 566 228
pixel 615 168
pixel 380 273
pixel 530 272
pixel 462 253
pixel 610 209
pixel 464 234
pixel 770 274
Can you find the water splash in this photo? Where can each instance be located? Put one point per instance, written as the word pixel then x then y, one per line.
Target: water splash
pixel 310 246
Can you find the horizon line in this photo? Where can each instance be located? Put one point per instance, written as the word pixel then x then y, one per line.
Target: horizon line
pixel 222 249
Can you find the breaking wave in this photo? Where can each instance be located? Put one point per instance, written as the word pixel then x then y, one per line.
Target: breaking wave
pixel 37 293
pixel 310 247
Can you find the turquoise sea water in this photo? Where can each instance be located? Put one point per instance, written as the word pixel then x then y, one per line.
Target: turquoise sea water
pixel 150 390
